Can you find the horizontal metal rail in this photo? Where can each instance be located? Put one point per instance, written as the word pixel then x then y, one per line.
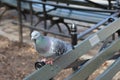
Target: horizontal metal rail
pixel 81 35
pixel 71 7
pixel 82 3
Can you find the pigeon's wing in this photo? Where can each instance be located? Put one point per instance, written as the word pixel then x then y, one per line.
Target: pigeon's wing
pixel 49 46
pixel 60 47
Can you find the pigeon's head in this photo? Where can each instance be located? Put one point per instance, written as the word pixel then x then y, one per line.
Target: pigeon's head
pixel 35 35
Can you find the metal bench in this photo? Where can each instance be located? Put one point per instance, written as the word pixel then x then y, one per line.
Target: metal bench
pixel 84 16
pixel 12 4
pixel 47 72
pixel 77 12
pixel 9 4
pixel 25 8
pixel 111 22
pixel 64 11
pixel 82 48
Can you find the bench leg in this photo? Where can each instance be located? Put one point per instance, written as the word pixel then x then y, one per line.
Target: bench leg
pixel 24 15
pixel 107 42
pixel 67 27
pixel 61 20
pixel 53 22
pixel 6 8
pixel 60 30
pixel 38 22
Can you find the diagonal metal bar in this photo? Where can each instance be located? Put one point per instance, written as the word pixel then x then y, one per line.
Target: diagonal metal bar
pixel 49 71
pixel 111 71
pixel 97 25
pixel 95 62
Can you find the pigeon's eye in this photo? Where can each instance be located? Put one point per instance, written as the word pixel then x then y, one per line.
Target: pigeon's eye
pixel 35 34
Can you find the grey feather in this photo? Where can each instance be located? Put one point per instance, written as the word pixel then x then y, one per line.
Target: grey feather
pixel 49 46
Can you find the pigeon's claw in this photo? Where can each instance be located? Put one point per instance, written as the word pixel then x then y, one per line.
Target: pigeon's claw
pixel 43 60
pixel 48 61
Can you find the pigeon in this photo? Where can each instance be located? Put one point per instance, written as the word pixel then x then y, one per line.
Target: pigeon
pixel 49 47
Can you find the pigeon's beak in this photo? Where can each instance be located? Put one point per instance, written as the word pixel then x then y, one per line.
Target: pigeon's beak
pixel 32 38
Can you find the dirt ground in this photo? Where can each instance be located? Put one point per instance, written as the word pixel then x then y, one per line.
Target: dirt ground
pixel 15 62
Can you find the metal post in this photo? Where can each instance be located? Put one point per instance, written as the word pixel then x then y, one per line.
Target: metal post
pixel 110 5
pixel 73 33
pixel 31 17
pixel 20 22
pixel 45 15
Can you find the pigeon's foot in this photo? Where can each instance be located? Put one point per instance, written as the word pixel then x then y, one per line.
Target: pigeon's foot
pixel 38 65
pixel 48 60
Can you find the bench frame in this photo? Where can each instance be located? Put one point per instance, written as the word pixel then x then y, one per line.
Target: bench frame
pixel 81 49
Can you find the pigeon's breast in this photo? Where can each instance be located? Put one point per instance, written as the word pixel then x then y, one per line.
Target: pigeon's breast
pixel 44 47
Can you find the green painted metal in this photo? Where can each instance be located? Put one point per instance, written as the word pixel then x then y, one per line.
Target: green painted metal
pixel 74 2
pixel 95 62
pixel 49 71
pixel 111 71
pixel 37 8
pixel 77 15
pixel 81 2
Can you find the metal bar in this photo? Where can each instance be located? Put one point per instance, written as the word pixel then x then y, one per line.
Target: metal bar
pixel 95 62
pixel 31 14
pixel 89 17
pixel 82 3
pixel 110 5
pixel 111 71
pixel 96 26
pixel 45 15
pixel 20 22
pixel 6 8
pixel 98 5
pixel 71 7
pixel 43 30
pixel 66 59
